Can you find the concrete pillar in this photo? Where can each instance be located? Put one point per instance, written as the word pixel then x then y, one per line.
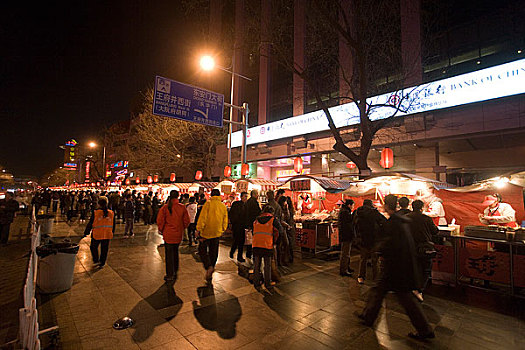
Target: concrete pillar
pixel 299 34
pixel 345 57
pixel 411 41
pixel 264 64
pixel 238 59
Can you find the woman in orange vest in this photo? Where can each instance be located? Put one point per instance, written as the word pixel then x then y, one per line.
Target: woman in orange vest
pixel 102 227
pixel 266 230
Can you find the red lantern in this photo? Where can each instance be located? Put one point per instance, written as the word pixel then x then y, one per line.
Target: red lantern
pixel 137 180
pixel 350 165
pixel 119 183
pixel 245 169
pixel 155 178
pixel 93 184
pixel 172 177
pixel 387 158
pixel 109 182
pixel 98 184
pixel 198 175
pixel 128 181
pixel 298 165
pixel 150 179
pixel 227 171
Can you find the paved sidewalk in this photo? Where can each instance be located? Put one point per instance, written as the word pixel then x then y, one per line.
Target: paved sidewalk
pixel 312 308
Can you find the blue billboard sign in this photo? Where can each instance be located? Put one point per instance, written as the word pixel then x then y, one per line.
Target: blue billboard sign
pixel 190 103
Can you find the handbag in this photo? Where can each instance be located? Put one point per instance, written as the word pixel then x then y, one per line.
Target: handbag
pixel 248 236
pixel 426 250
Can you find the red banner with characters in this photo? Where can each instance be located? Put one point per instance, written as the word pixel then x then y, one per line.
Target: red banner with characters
pixel 305 237
pixel 444 260
pixel 485 265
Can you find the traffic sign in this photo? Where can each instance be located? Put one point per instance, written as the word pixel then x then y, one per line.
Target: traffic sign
pixel 190 103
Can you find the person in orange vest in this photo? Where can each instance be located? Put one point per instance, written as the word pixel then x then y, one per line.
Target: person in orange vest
pixel 102 227
pixel 172 220
pixel 498 213
pixel 266 230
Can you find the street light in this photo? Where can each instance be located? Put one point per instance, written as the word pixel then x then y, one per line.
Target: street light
pixel 207 63
pixel 94 145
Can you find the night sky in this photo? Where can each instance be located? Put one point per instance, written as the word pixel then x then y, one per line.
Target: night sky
pixel 68 69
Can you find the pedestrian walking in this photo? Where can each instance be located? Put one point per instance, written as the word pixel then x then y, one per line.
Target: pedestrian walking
pixel 172 219
pixel 102 228
pixel 129 215
pixel 237 215
pixel 148 210
pixel 55 198
pixel 8 208
pixel 399 273
pixel 346 236
pixel 266 230
pixel 368 223
pixel 284 247
pixel 155 206
pixel 423 230
pixel 212 223
pixel 192 212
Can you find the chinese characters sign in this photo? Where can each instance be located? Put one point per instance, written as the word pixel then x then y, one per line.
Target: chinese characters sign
pixel 70 161
pixel 490 266
pixel 300 185
pixel 176 100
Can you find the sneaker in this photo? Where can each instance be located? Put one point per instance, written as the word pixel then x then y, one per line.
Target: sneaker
pixel 418 295
pixel 346 274
pixel 132 235
pixel 360 280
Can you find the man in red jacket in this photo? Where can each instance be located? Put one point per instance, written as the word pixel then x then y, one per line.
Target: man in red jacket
pixel 172 219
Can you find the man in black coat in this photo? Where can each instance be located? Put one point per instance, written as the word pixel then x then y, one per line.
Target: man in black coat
pixel 423 229
pixel 8 208
pixel 399 273
pixel 346 236
pixel 368 223
pixel 237 216
pixel 253 210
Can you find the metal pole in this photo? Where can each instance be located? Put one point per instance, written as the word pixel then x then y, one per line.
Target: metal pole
pixel 104 163
pixel 230 126
pixel 245 113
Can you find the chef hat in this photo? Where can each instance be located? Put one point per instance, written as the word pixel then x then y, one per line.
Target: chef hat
pixel 490 199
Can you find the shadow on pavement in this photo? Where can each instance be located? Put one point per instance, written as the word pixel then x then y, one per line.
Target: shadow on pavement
pixel 219 317
pixel 163 298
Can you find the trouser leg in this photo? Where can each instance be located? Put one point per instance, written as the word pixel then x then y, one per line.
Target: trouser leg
pixel 374 302
pixel 249 251
pixel 4 233
pixel 213 251
pixel 94 249
pixel 203 253
pixel 267 271
pixel 104 247
pixel 276 276
pixel 344 261
pixel 256 270
pixel 168 252
pixel 365 255
pixel 414 312
pixel 426 269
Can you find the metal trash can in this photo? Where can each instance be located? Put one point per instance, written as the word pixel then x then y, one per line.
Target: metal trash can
pixel 46 223
pixel 56 266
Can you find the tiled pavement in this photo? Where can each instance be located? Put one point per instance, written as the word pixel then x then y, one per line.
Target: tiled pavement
pixel 312 308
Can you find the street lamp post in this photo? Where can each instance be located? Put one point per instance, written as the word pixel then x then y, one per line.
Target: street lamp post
pixel 208 63
pixel 93 145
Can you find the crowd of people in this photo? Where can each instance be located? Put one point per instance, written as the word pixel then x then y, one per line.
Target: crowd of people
pixel 398 246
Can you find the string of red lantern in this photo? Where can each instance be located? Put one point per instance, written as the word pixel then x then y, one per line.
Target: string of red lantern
pixel 245 169
pixel 227 171
pixel 298 165
pixel 198 175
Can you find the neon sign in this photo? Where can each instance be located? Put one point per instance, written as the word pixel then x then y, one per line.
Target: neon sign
pixel 482 85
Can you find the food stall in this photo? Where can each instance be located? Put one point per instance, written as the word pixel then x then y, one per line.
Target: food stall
pixel 261 185
pixel 316 227
pixel 479 254
pixel 202 187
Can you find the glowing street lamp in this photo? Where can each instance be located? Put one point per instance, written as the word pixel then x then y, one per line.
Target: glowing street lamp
pixel 207 63
pixel 94 145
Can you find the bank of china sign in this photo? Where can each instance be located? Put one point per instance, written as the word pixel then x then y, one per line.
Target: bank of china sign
pixel 486 84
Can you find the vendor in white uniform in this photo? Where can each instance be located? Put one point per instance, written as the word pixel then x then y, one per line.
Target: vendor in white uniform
pixel 433 207
pixel 498 213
